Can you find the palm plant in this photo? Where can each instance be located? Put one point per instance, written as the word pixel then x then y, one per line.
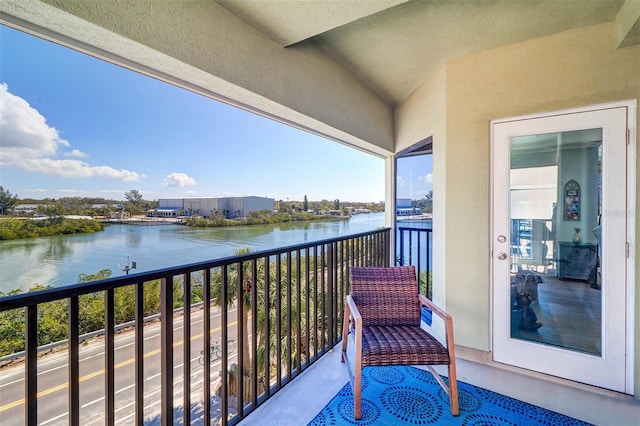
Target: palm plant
pixel 295 308
pixel 238 279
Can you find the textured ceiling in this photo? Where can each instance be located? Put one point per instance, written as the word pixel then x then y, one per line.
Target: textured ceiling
pixel 393 45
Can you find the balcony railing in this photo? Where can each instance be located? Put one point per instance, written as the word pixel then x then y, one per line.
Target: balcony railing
pixel 413 247
pixel 265 318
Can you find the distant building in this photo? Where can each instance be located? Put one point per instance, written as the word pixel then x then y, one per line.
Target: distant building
pixel 25 209
pixel 108 206
pixel 228 207
pixel 120 215
pixel 404 208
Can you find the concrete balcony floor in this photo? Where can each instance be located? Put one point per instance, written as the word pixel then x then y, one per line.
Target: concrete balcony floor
pixel 302 399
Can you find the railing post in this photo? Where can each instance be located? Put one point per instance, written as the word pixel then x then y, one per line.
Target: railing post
pixel 401 254
pixel 240 371
pixel 206 342
pixel 31 373
pixel 109 357
pixel 298 312
pixel 186 349
pixel 316 284
pixel 166 351
pixel 289 347
pixel 139 350
pixel 330 290
pixel 308 314
pixel 224 320
pixel 429 265
pixel 254 333
pixel 267 327
pixel 278 285
pixel 74 363
pixel 387 247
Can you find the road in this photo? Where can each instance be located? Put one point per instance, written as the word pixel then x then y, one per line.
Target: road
pixel 53 377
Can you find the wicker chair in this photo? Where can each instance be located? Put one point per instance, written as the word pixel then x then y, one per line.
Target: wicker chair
pixel 385 307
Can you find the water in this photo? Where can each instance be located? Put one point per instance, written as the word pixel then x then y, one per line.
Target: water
pixel 59 260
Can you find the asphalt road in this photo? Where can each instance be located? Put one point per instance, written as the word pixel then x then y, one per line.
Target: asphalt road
pixel 53 377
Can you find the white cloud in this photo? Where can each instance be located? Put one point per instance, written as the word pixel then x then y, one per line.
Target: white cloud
pixel 428 178
pixel 76 153
pixel 28 143
pixel 179 179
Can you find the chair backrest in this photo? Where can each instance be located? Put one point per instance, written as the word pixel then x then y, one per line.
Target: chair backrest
pixel 386 296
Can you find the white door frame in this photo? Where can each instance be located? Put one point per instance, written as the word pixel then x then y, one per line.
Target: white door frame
pixel 500 337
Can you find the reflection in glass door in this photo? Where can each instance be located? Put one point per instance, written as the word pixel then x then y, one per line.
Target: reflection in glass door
pixel 414 211
pixel 555 198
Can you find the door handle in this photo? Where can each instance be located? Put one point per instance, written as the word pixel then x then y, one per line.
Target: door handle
pixel 502 255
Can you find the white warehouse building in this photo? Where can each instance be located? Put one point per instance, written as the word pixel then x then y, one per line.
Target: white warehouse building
pixel 229 207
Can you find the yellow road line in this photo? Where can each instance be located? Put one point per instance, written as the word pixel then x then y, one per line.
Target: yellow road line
pixel 101 371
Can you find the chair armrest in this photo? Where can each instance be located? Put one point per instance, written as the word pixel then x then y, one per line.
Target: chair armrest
pixel 448 323
pixel 434 308
pixel 354 312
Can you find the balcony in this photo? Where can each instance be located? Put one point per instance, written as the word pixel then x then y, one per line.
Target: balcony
pixel 148 366
pixel 291 298
pixel 319 77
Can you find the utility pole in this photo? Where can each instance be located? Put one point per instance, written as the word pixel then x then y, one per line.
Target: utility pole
pixel 128 266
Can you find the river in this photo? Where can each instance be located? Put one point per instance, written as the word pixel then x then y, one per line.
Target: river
pixel 60 259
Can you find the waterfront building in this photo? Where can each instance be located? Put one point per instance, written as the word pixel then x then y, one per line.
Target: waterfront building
pixel 404 208
pixel 229 207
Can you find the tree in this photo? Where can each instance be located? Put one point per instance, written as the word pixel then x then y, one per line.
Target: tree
pixel 305 204
pixel 336 204
pixel 134 196
pixel 54 211
pixel 7 200
pixel 134 201
pixel 103 274
pixel 425 204
pixel 429 205
pixel 232 292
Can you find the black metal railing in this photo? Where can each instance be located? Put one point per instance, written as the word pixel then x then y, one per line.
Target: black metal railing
pixel 254 322
pixel 413 247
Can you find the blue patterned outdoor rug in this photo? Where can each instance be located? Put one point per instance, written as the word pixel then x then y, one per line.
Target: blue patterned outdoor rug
pixel 411 396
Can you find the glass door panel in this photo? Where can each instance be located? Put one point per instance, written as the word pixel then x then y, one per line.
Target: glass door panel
pixel 555 201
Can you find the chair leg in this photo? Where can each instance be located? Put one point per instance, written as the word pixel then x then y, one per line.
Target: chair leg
pixel 345 332
pixel 453 390
pixel 357 394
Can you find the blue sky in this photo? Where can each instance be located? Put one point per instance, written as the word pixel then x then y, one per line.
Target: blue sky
pixel 72 125
pixel 414 178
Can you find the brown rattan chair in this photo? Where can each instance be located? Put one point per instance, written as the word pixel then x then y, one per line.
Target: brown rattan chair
pixel 385 307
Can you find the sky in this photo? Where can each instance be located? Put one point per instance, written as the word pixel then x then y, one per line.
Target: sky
pixel 414 177
pixel 75 126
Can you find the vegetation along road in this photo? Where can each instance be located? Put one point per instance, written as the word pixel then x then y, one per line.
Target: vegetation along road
pixel 53 377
